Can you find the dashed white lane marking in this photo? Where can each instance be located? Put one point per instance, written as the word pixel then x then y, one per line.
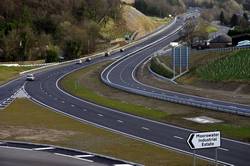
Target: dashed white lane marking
pixel 44 148
pixel 119 121
pixel 74 157
pixel 224 149
pixel 72 105
pixel 63 102
pixel 86 155
pixel 145 128
pixel 178 137
pixel 100 115
pixel 85 110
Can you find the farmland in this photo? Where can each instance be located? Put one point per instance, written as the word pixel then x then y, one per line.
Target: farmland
pixel 234 67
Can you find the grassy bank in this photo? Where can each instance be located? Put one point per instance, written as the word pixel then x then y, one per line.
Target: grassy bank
pixel 9 73
pixel 91 88
pixel 160 68
pixel 25 121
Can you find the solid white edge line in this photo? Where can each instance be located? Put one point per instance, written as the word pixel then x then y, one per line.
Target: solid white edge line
pixel 64 155
pixel 128 135
pixel 84 155
pixel 124 114
pixel 45 148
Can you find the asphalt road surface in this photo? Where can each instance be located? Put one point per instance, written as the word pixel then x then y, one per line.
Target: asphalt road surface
pixel 46 91
pixel 30 158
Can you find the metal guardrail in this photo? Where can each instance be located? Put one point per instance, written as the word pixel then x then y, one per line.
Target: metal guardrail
pixel 184 101
pixel 191 101
pixel 227 49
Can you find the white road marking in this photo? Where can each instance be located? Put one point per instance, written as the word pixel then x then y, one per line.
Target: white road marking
pixel 74 157
pixel 224 149
pixel 86 155
pixel 44 148
pixel 178 137
pixel 145 128
pixel 63 102
pixel 72 105
pixel 100 115
pixel 85 110
pixel 119 121
pixel 9 147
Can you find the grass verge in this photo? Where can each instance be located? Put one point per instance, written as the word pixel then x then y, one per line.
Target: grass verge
pixel 69 84
pixel 25 121
pixel 91 88
pixel 9 73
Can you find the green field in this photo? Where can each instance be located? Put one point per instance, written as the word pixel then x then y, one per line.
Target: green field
pixel 235 67
pixel 8 73
pixel 26 121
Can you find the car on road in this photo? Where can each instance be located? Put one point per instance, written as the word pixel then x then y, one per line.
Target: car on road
pixel 122 50
pixel 88 60
pixel 79 61
pixel 107 54
pixel 30 77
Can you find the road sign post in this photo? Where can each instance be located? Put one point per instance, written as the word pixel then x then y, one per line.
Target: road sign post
pixel 204 140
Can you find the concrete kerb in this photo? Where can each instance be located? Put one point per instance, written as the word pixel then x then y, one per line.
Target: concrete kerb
pixel 70 149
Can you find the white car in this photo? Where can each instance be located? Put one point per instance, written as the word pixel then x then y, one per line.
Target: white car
pixel 30 77
pixel 79 61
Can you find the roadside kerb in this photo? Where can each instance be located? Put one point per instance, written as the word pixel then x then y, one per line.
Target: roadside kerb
pixel 66 149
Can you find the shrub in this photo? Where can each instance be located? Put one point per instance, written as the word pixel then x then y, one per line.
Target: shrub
pixel 52 54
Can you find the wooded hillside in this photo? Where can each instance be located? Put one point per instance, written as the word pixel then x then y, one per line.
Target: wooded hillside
pixel 35 29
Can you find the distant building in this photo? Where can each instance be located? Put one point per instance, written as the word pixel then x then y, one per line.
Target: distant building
pixel 199 43
pixel 221 41
pixel 241 37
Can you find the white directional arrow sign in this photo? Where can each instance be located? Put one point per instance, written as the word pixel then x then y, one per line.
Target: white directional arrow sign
pixel 204 140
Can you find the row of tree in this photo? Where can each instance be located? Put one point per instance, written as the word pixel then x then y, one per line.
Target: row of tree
pixel 38 29
pixel 236 20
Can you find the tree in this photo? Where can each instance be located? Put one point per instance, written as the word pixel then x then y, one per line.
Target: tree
pixel 222 18
pixel 52 54
pixel 72 49
pixel 235 20
pixel 245 15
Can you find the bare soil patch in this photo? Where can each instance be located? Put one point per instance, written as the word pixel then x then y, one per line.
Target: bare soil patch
pixel 34 134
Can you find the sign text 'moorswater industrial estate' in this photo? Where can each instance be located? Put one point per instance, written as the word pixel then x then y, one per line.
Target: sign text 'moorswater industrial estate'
pixel 204 140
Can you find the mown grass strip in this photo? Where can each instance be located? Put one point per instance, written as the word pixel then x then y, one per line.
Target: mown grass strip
pixel 70 84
